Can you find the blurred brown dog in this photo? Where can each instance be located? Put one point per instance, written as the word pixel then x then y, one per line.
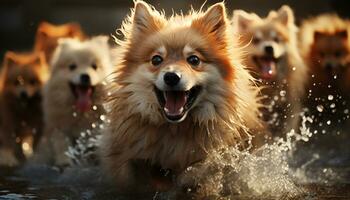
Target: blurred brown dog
pixel 48 34
pixel 22 78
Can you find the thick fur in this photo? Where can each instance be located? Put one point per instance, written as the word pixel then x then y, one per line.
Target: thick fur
pixel 140 139
pixel 64 122
pixel 47 36
pixel 282 92
pixel 325 47
pixel 22 78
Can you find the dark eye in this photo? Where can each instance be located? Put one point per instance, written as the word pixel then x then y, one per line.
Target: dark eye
pixel 338 54
pixel 156 60
pixel 94 66
pixel 33 82
pixel 276 39
pixel 72 66
pixel 193 60
pixel 256 40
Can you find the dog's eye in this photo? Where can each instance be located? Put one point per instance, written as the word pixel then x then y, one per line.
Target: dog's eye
pixel 72 66
pixel 193 60
pixel 338 54
pixel 156 60
pixel 33 82
pixel 94 66
pixel 276 39
pixel 256 40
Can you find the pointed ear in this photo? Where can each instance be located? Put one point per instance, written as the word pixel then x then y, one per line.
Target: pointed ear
pixel 241 20
pixel 285 15
pixel 74 30
pixel 342 34
pixel 144 19
pixel 213 21
pixel 10 59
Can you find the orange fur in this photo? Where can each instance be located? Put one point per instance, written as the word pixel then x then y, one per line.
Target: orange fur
pixel 48 34
pixel 140 138
pixel 325 47
pixel 22 78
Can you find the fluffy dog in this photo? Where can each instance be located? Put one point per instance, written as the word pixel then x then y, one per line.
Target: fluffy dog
pixel 48 34
pixel 72 96
pixel 180 92
pixel 325 47
pixel 273 58
pixel 22 78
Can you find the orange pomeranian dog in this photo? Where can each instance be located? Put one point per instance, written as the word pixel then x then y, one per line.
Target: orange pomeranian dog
pixel 48 34
pixel 22 78
pixel 273 58
pixel 325 46
pixel 180 92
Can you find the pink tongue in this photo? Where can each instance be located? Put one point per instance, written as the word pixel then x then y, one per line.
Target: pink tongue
pixel 174 102
pixel 268 69
pixel 83 102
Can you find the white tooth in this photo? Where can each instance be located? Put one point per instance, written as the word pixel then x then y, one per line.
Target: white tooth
pixel 166 110
pixel 164 95
pixel 181 110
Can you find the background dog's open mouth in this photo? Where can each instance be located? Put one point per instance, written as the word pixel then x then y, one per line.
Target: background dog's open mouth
pixel 175 104
pixel 267 65
pixel 83 96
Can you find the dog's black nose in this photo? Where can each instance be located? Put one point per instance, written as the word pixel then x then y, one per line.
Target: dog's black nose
pixel 269 50
pixel 85 79
pixel 23 95
pixel 171 78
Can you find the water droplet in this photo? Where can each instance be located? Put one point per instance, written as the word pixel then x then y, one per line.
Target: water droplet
pixel 283 93
pixel 346 111
pixel 102 117
pixel 329 122
pixel 75 114
pixel 332 105
pixel 93 125
pixel 330 97
pixel 94 107
pixel 335 76
pixel 320 108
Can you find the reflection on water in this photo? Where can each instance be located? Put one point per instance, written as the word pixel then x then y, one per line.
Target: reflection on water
pixel 287 169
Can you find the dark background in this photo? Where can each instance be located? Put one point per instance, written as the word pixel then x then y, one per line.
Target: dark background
pixel 19 18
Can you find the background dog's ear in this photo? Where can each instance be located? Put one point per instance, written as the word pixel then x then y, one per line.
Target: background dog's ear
pixel 213 21
pixel 285 15
pixel 145 20
pixel 10 59
pixel 241 20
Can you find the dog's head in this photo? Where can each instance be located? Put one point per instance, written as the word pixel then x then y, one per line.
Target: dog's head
pixel 177 66
pixel 47 36
pixel 267 39
pixel 331 51
pixel 81 66
pixel 23 75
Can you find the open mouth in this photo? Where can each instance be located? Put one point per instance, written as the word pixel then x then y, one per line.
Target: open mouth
pixel 267 65
pixel 83 96
pixel 175 104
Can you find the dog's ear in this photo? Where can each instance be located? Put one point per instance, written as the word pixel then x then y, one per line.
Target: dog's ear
pixel 285 15
pixel 74 30
pixel 213 22
pixel 10 59
pixel 145 20
pixel 241 20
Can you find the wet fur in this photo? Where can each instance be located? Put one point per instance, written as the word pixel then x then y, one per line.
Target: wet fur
pixel 62 128
pixel 246 26
pixel 139 137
